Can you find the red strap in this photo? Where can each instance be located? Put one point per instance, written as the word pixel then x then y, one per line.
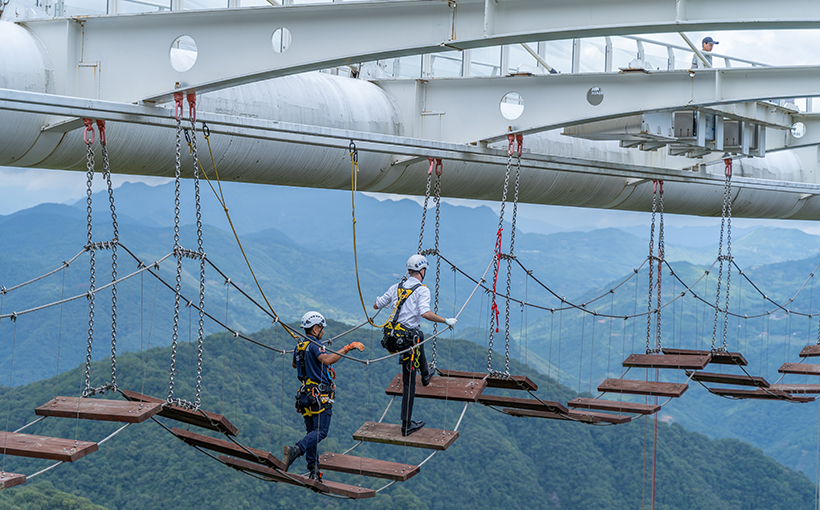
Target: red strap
pixel 88 128
pixel 520 139
pixel 432 163
pixel 178 105
pixel 192 105
pixel 101 126
pixel 728 169
pixel 511 140
pixel 495 276
pixel 439 167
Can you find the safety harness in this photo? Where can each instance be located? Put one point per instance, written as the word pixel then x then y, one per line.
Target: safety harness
pixel 313 397
pixel 395 336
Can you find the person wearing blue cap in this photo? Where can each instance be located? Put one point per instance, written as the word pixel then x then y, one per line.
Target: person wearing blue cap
pixel 706 49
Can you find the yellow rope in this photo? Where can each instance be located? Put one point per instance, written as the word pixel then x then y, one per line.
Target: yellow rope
pixel 354 171
pixel 220 197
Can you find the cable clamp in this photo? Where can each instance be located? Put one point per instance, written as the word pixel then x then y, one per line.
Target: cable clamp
pixel 192 105
pixel 88 128
pixel 178 105
pixel 3 289
pixel 101 127
pixel 236 334
pixel 227 281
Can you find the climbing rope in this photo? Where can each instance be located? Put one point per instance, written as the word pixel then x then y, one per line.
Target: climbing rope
pixel 725 226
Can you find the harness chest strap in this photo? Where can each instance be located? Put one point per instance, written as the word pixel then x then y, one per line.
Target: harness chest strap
pixel 403 295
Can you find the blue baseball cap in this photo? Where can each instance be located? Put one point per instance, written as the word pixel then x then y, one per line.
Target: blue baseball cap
pixel 709 40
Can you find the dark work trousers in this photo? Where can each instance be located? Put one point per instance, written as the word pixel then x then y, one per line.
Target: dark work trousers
pixel 316 427
pixel 408 380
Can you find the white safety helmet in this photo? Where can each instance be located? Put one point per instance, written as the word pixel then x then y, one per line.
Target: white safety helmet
pixel 313 318
pixel 416 263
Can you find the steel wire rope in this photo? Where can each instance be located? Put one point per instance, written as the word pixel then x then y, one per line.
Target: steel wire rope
pixel 10 389
pixel 65 264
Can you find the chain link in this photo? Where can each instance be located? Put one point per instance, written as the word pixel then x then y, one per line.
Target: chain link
pixel 115 240
pixel 437 200
pixel 650 294
pixel 92 277
pixel 497 261
pixel 178 257
pixel 424 209
pixel 201 252
pixel 509 263
pixel 728 254
pixel 661 252
pixel 726 212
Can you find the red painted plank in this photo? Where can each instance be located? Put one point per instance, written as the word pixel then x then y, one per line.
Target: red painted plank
pixel 679 361
pixel 797 388
pixel 810 351
pixel 549 415
pixel 758 394
pixel 615 419
pixel 522 403
pixel 737 379
pixel 718 357
pixel 799 368
pixel 9 480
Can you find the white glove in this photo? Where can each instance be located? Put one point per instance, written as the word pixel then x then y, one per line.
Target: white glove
pixel 451 322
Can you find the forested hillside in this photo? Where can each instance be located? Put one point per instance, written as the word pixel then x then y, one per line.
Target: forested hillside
pixel 498 460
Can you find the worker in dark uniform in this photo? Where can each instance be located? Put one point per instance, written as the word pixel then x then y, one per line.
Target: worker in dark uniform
pixel 314 400
pixel 410 301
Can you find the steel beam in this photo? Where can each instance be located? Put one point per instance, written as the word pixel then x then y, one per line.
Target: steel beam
pixel 31 102
pixel 472 113
pixel 234 45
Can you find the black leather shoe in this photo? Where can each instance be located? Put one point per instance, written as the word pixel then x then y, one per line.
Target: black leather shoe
pixel 425 379
pixel 315 474
pixel 408 427
pixel 291 454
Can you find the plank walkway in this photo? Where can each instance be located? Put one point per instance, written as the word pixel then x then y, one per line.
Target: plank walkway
pixel 678 361
pixel 719 357
pixel 799 369
pixel 758 394
pixel 611 405
pixel 374 468
pixel 325 486
pixel 204 419
pixel 810 351
pixel 522 403
pixel 736 379
pixel 98 409
pixel 651 388
pixel 40 447
pixel 9 480
pixel 797 388
pixel 515 382
pixel 442 388
pixel 228 448
pixel 389 433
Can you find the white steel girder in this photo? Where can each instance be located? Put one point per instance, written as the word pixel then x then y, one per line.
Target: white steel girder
pixel 126 57
pixel 468 109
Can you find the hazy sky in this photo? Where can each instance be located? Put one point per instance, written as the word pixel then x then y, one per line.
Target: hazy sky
pixel 22 189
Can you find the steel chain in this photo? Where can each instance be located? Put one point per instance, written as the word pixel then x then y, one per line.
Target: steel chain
pixel 424 209
pixel 437 200
pixel 661 252
pixel 178 257
pixel 650 294
pixel 115 240
pixel 92 270
pixel 201 252
pixel 727 190
pixel 497 261
pixel 728 255
pixel 509 261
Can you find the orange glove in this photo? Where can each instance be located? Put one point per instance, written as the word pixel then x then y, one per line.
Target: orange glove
pixel 353 345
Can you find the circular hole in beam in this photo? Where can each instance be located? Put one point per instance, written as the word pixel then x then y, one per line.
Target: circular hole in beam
pixel 512 105
pixel 798 130
pixel 183 53
pixel 281 40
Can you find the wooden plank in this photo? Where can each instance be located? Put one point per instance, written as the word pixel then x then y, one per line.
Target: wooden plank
pixel 679 361
pixel 810 351
pixel 737 379
pixel 650 388
pixel 522 403
pixel 39 447
pixel 797 388
pixel 9 480
pixel 799 368
pixel 615 419
pixel 548 415
pixel 720 358
pixel 229 448
pixel 611 405
pixel 389 433
pixel 759 394
pixel 802 399
pixel 325 486
pixel 98 409
pixel 442 388
pixel 204 419
pixel 368 467
pixel 516 382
